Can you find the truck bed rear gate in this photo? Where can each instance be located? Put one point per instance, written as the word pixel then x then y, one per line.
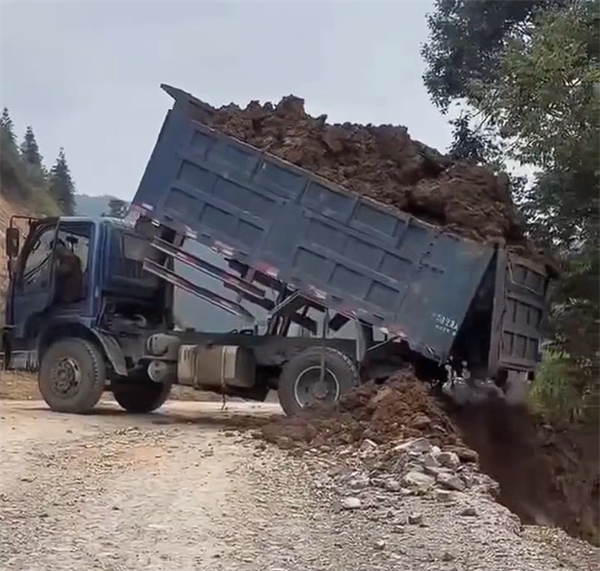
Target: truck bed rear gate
pixel 519 310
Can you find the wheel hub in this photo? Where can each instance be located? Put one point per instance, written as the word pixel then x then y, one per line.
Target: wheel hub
pixel 320 390
pixel 65 375
pixel 314 388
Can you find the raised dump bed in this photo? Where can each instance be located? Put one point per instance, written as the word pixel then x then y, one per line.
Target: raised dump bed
pixel 346 252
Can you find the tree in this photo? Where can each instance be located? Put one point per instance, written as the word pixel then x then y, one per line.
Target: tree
pixel 472 144
pixel 62 187
pixel 7 127
pixel 117 208
pixel 466 44
pixel 528 70
pixel 30 150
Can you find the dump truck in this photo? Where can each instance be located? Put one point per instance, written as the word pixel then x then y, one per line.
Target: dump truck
pixel 305 254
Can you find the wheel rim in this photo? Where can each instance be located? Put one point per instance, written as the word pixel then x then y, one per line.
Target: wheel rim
pixel 309 389
pixel 65 377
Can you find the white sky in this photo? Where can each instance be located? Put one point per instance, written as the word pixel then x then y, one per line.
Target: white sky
pixel 86 75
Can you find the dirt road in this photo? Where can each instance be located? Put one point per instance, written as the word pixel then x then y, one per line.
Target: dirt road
pixel 184 490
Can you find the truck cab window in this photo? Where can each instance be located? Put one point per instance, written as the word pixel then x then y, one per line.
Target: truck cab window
pixel 36 269
pixel 72 250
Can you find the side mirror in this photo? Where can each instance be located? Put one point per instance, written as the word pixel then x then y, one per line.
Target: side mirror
pixel 13 239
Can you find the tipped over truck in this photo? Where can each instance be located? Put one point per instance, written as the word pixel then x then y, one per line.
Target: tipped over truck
pixel 372 288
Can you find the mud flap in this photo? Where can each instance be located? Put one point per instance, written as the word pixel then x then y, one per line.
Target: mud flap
pixel 113 352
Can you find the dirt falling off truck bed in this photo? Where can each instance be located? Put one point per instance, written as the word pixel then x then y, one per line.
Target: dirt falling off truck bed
pixel 384 163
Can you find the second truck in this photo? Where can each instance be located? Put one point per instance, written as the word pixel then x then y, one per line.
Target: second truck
pixel 90 303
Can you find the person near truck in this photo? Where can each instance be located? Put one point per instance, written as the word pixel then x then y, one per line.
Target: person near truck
pixel 69 275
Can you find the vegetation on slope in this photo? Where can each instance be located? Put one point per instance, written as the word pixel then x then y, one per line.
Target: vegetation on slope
pixel 25 179
pixel 525 74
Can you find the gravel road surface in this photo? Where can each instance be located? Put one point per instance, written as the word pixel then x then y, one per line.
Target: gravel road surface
pixel 186 490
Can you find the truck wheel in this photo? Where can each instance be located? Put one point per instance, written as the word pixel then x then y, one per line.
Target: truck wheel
pixel 141 395
pixel 300 383
pixel 72 376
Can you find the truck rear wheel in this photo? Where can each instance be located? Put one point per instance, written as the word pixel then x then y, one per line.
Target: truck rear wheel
pixel 300 385
pixel 72 376
pixel 141 395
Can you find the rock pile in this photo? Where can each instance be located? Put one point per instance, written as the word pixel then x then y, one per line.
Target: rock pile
pixel 413 468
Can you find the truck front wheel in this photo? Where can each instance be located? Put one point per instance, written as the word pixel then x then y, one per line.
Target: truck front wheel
pixel 140 395
pixel 300 383
pixel 72 376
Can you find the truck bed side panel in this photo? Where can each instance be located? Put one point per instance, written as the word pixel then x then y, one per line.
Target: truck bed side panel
pixel 359 257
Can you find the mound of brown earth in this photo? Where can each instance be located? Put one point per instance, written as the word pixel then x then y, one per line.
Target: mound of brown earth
pixel 400 410
pixel 384 163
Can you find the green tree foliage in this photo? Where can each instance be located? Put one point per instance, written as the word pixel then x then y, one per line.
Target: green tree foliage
pixel 472 144
pixel 61 185
pixel 528 72
pixel 19 178
pixel 6 125
pixel 32 159
pixel 117 208
pixel 30 150
pixel 467 40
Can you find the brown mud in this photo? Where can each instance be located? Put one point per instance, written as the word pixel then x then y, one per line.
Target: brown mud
pixel 384 163
pixel 547 476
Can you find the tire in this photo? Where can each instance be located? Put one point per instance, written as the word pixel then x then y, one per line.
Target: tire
pixel 304 368
pixel 141 395
pixel 72 376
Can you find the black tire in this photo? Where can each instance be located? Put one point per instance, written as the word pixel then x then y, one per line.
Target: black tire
pixel 72 376
pixel 141 395
pixel 341 372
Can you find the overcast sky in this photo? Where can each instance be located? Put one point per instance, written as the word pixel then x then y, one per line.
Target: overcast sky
pixel 86 75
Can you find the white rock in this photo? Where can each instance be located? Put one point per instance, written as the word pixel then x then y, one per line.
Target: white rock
pixel 419 445
pixel 415 518
pixel 367 448
pixel 393 486
pixel 351 503
pixel 418 481
pixel 443 495
pixel 449 460
pixel 430 460
pixel 436 470
pixel 359 483
pixel 451 481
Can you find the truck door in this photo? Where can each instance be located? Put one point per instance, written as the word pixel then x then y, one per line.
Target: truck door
pixel 33 289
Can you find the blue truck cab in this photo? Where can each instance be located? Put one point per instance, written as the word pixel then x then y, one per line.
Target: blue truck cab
pixel 76 286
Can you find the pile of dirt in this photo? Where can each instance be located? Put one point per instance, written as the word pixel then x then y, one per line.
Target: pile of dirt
pixel 399 410
pixel 384 163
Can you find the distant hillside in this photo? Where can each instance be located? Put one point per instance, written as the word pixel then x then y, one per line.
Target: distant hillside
pixel 189 309
pixel 91 205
